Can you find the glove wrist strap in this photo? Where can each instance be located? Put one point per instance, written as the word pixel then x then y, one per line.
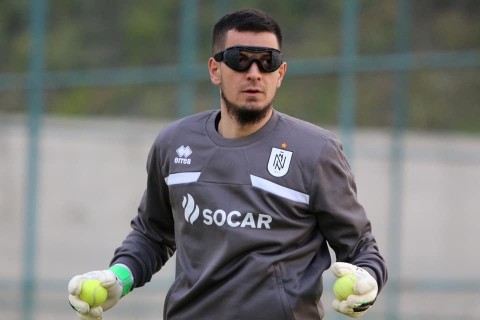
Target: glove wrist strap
pixel 125 276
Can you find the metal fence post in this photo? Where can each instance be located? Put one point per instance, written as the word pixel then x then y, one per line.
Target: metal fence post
pixel 35 110
pixel 347 90
pixel 188 54
pixel 397 158
pixel 347 75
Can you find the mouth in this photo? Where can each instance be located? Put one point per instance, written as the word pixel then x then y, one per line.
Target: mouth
pixel 252 91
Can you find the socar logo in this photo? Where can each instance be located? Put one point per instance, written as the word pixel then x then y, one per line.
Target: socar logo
pixel 191 209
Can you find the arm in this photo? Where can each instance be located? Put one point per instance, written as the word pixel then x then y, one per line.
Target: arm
pixel 341 218
pixel 344 223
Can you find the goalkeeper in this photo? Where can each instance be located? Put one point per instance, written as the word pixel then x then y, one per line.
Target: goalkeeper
pixel 249 198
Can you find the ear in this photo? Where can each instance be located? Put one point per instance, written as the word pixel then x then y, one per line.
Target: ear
pixel 214 70
pixel 281 73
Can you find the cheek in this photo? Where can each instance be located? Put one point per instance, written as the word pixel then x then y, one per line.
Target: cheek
pixel 229 83
pixel 224 85
pixel 274 85
pixel 227 91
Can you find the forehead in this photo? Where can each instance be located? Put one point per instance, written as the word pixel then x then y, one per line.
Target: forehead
pixel 248 38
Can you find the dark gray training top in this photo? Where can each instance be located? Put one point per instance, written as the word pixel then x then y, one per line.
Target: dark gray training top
pixel 249 219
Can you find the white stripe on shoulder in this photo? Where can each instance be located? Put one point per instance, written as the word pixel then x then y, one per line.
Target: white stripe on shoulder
pixel 279 190
pixel 182 177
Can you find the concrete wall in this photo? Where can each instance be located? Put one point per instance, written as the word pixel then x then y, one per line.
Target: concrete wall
pixel 92 175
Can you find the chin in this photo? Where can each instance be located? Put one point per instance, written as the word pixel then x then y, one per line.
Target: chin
pixel 248 112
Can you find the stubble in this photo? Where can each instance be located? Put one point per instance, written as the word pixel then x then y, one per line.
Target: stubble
pixel 245 115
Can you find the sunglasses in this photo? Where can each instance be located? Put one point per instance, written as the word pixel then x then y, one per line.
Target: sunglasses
pixel 240 58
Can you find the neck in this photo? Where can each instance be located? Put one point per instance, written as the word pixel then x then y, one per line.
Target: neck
pixel 229 128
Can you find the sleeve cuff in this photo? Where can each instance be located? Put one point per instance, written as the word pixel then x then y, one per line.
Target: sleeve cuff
pixel 124 275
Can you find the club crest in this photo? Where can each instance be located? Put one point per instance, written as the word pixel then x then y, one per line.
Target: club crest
pixel 279 162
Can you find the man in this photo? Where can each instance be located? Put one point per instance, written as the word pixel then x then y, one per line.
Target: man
pixel 249 199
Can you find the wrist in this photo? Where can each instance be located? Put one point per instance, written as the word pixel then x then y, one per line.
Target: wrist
pixel 124 276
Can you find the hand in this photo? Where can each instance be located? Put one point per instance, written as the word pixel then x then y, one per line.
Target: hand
pixel 108 280
pixel 365 290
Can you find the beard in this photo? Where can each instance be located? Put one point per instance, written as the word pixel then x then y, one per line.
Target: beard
pixel 244 115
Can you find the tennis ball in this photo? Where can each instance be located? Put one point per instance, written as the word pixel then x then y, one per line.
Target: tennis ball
pixel 93 293
pixel 344 286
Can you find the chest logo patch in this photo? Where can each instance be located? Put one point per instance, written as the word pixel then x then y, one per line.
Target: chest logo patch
pixel 279 162
pixel 183 155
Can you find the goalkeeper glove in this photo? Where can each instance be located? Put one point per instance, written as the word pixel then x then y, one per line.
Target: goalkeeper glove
pixel 118 281
pixel 365 290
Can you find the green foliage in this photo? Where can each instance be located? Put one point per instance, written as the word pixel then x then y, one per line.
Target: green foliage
pixel 310 98
pixel 86 35
pixel 14 39
pixel 444 100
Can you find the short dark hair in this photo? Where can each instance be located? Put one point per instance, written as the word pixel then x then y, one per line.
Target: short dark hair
pixel 253 20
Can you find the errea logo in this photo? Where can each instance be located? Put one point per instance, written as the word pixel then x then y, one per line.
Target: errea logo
pixel 183 154
pixel 220 218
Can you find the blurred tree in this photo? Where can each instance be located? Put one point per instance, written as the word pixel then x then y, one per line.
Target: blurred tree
pixel 85 35
pixel 14 41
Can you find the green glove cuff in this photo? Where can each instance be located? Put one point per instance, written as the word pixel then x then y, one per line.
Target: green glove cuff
pixel 125 276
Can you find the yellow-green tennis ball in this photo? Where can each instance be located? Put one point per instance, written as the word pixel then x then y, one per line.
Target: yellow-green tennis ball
pixel 344 286
pixel 93 293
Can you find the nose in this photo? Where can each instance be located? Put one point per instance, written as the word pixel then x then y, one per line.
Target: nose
pixel 254 72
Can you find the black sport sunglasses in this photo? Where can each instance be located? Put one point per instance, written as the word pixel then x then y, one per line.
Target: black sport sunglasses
pixel 236 58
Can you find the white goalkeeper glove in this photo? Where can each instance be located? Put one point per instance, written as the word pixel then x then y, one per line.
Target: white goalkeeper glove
pixel 364 292
pixel 117 280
